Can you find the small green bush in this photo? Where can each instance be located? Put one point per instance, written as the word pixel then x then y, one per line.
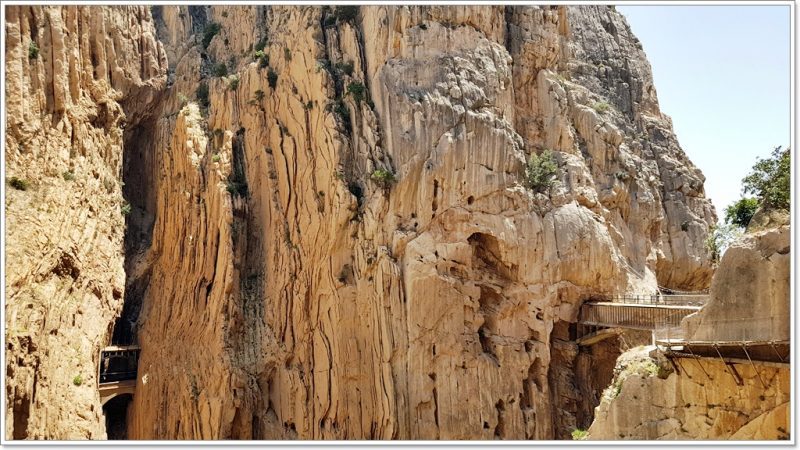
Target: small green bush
pixel 287 54
pixel 237 188
pixel 541 171
pixel 384 178
pixel 272 78
pixel 125 208
pixel 219 70
pixel 356 89
pixel 579 435
pixel 345 67
pixel 182 99
pixel 233 83
pixel 211 30
pixel 341 110
pixel 259 95
pixel 68 176
pixel 19 184
pixel 601 107
pixel 33 50
pixel 224 13
pixel 215 158
pixel 346 13
pixel 263 61
pixel 309 105
pixel 258 54
pixel 77 380
pixel 202 95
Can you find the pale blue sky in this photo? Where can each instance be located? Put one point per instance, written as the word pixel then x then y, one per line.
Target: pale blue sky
pixel 723 74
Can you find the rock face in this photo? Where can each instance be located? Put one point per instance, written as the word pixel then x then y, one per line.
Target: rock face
pixel 68 90
pixel 749 301
pixel 750 293
pixel 280 284
pixel 648 401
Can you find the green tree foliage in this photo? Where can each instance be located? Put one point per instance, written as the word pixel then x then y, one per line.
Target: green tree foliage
pixel 211 30
pixel 33 50
pixel 740 212
pixel 770 180
pixel 541 171
pixel 346 13
pixel 272 78
pixel 220 69
pixel 719 238
pixel 356 89
pixel 384 178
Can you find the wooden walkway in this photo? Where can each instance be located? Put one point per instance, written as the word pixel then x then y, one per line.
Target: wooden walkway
pixel 633 316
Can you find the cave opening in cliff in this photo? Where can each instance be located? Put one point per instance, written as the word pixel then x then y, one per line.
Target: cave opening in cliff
pixel 116 413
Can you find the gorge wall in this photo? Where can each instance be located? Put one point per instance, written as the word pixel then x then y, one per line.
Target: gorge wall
pixel 749 302
pixel 217 170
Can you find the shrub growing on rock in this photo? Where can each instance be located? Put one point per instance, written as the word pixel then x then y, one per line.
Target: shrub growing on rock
pixel 219 70
pixel 33 50
pixel 347 13
pixel 211 30
pixel 18 183
pixel 356 89
pixel 272 78
pixel 384 178
pixel 540 171
pixel 601 107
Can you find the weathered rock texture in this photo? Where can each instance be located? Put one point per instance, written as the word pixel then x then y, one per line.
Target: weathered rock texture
pixel 647 401
pixel 749 302
pixel 750 293
pixel 66 108
pixel 277 290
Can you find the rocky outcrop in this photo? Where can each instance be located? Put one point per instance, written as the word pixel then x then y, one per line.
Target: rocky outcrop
pixel 334 241
pixel 749 302
pixel 750 293
pixel 648 400
pixel 66 96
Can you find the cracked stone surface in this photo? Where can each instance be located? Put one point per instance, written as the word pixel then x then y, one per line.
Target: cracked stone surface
pixel 277 290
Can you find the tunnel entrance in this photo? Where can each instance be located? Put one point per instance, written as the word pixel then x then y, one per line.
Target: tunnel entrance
pixel 116 412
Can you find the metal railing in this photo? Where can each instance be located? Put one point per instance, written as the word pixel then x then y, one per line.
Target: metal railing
pixel 764 329
pixel 118 364
pixel 659 299
pixel 632 316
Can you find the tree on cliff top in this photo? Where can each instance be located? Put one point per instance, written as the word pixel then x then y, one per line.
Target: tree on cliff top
pixel 770 181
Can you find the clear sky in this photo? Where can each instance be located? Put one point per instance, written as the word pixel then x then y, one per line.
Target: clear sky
pixel 723 74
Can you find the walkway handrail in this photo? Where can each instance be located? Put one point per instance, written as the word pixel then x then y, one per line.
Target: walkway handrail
pixel 657 299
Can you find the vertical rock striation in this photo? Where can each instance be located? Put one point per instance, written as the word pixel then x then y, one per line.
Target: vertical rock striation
pixel 67 92
pixel 286 287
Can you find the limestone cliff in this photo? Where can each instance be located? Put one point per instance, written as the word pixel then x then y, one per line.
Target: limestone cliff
pixel 75 77
pixel 749 302
pixel 328 234
pixel 648 401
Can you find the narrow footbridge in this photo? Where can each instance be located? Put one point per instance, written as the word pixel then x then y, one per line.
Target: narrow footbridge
pixel 607 317
pixel 117 371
